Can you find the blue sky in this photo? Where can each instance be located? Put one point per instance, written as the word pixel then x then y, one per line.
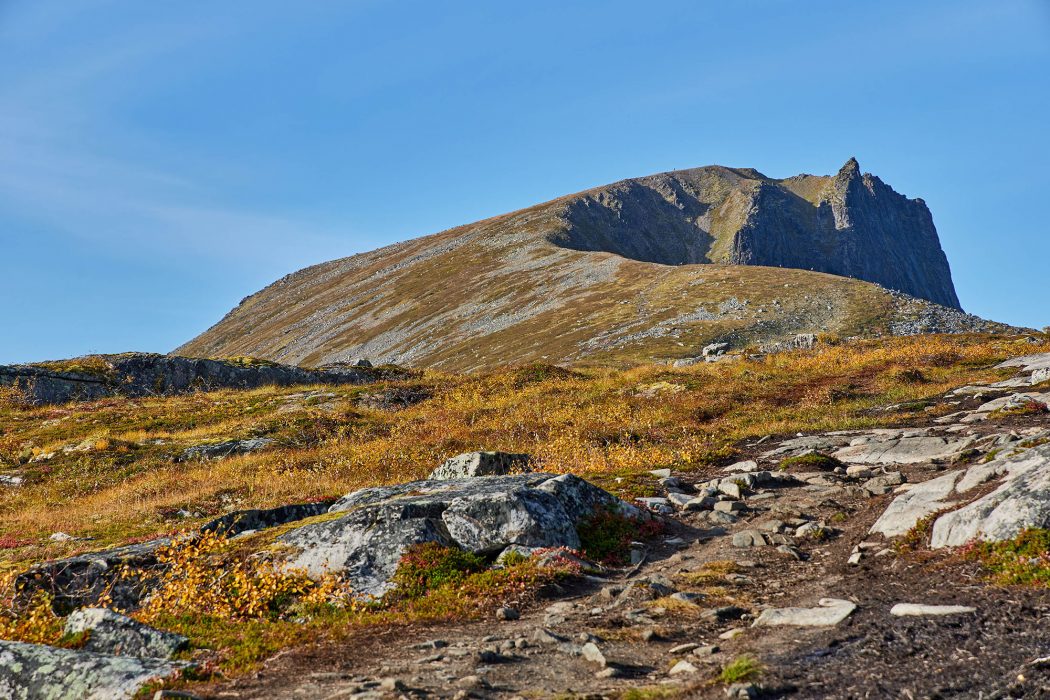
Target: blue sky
pixel 159 161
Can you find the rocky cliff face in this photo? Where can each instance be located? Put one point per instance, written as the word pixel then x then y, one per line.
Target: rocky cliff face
pixel 858 227
pixel 851 224
pixel 647 269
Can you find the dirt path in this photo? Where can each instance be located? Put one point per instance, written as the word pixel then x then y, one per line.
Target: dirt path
pixel 699 587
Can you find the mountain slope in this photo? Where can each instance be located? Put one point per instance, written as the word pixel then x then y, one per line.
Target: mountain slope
pixel 644 269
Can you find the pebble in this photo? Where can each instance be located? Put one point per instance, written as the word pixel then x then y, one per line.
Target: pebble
pixel 682 667
pixel 507 613
pixel 391 684
pixel 749 538
pixel 743 691
pixel 706 650
pixel 684 648
pixel 729 634
pixel 468 682
pixel 729 507
pixel 593 654
pixel 609 672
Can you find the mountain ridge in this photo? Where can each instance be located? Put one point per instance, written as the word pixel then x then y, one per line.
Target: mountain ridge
pixel 625 262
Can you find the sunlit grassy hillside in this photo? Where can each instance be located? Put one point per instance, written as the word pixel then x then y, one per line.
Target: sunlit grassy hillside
pixel 108 470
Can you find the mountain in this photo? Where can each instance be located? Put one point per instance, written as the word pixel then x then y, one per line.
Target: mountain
pixel 647 269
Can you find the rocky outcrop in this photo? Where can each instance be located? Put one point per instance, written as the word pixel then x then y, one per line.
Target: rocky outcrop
pixel 228 448
pixel 480 464
pixel 147 374
pixel 38 672
pixel 851 224
pixel 1021 501
pixel 81 580
pixel 856 227
pixel 485 515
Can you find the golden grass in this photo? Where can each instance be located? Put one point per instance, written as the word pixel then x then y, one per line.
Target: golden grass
pixel 602 423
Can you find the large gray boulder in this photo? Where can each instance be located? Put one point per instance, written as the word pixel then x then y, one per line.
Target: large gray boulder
pixel 112 633
pixel 483 515
pixel 481 464
pixel 38 672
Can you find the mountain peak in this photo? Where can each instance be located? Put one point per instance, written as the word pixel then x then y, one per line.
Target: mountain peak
pixel 850 169
pixel 627 265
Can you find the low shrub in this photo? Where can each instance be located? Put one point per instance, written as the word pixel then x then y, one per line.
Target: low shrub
pixel 740 669
pixel 428 566
pixel 606 536
pixel 1024 560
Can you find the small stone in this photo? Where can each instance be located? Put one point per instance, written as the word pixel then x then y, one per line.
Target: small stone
pixel 793 552
pixel 683 648
pixel 687 598
pixel 809 529
pixel 609 672
pixel 742 691
pixel 729 507
pixel 730 634
pixel 680 500
pixel 706 650
pixel 731 489
pixel 472 682
pixel 545 636
pixel 682 667
pixel 60 537
pixel 919 610
pixel 700 503
pixel 487 656
pixel 649 635
pixel 673 484
pixel 749 465
pixel 391 684
pixel 829 612
pixel 661 473
pixel 593 654
pixel 749 538
pixel 855 558
pixel 507 613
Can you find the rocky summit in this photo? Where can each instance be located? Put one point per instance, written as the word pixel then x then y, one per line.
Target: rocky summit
pixel 646 269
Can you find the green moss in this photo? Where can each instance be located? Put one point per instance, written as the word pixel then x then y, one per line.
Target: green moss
pixel 811 461
pixel 89 365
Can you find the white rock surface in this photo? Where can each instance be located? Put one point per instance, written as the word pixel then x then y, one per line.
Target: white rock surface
pixel 829 612
pixel 1021 501
pixel 919 610
pixel 909 508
